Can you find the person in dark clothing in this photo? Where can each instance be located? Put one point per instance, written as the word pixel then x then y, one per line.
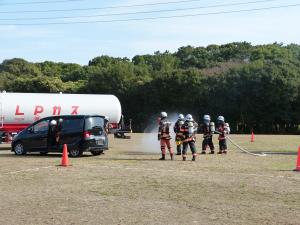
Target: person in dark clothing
pixel 179 134
pixel 106 125
pixel 52 134
pixel 223 130
pixel 189 129
pixel 207 128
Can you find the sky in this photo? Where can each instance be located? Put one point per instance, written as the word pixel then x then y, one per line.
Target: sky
pixel 79 43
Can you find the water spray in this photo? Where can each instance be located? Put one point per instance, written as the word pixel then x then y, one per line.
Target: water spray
pixel 149 141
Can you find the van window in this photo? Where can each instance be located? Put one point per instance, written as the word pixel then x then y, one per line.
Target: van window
pixel 41 127
pixel 72 125
pixel 94 122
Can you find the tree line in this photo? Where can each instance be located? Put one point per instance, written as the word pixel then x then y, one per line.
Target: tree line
pixel 253 86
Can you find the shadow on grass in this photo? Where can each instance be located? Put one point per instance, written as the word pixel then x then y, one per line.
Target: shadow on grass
pixel 134 153
pixel 292 170
pixel 139 153
pixel 38 155
pixel 130 159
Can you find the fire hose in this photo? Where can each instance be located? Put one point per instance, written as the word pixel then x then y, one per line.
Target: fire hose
pixel 234 143
pixel 240 148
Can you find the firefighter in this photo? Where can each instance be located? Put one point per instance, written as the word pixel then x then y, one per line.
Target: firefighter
pixel 164 135
pixel 223 130
pixel 189 130
pixel 7 137
pixel 53 134
pixel 106 125
pixel 179 135
pixel 208 128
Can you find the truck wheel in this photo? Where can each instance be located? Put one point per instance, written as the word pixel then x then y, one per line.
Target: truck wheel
pixel 19 149
pixel 96 152
pixel 76 152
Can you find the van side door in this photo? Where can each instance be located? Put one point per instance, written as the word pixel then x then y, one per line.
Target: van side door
pixel 71 132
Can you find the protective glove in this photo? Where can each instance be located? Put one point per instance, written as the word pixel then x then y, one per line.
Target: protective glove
pixel 158 137
pixel 178 142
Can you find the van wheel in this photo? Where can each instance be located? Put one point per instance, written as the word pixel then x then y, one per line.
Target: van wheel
pixel 75 152
pixel 19 149
pixel 96 152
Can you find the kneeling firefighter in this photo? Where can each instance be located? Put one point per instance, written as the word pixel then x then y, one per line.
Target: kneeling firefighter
pixel 164 135
pixel 179 134
pixel 208 128
pixel 189 130
pixel 223 129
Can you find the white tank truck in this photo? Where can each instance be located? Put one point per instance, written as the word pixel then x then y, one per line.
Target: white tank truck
pixel 18 110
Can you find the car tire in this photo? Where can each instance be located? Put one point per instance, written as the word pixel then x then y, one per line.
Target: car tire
pixel 19 149
pixel 75 152
pixel 97 152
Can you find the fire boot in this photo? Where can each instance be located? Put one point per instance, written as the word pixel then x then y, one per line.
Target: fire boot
pixel 225 152
pixel 203 152
pixel 163 157
pixel 220 152
pixel 212 152
pixel 172 156
pixel 194 157
pixel 184 157
pixel 178 153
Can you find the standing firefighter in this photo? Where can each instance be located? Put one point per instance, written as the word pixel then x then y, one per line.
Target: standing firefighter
pixel 54 133
pixel 223 129
pixel 208 128
pixel 189 129
pixel 164 136
pixel 179 134
pixel 106 125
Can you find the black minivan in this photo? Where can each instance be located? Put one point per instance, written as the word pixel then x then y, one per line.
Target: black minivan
pixel 80 132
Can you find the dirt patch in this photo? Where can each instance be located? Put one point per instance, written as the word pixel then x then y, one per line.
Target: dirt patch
pixel 129 186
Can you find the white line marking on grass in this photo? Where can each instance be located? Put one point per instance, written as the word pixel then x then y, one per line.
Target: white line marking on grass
pixel 29 170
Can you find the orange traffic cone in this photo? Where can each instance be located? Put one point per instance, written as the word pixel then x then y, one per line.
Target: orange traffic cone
pixel 65 158
pixel 252 137
pixel 298 161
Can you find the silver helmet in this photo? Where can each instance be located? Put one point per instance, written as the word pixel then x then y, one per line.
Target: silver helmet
pixel 189 117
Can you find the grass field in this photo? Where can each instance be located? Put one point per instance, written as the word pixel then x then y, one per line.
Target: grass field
pixel 128 185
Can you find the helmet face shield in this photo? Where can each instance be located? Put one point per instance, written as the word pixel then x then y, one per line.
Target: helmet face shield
pixel 220 120
pixel 206 122
pixel 180 116
pixel 206 119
